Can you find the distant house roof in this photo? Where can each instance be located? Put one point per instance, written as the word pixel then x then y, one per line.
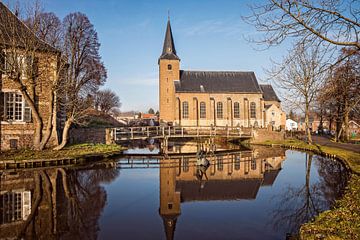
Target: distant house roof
pixel 169 51
pixel 148 115
pixel 218 189
pixel 12 29
pixel 269 93
pixel 217 82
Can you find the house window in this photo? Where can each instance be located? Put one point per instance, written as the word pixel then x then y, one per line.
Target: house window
pixel 236 110
pixel 169 67
pixel 13 143
pixel 253 110
pixel 185 113
pixel 219 110
pixel 17 63
pixel 202 110
pixel 16 109
pixel 273 113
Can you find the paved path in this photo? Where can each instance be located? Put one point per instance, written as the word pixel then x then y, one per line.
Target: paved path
pixel 326 142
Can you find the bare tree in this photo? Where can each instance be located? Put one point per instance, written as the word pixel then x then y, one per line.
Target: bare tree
pixel 301 74
pixel 105 100
pixel 25 61
pixel 334 22
pixel 85 71
pixel 342 90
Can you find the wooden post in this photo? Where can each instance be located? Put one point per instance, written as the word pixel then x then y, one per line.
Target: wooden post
pixel 182 132
pixel 169 131
pixel 147 131
pixel 197 131
pixel 132 133
pixel 163 131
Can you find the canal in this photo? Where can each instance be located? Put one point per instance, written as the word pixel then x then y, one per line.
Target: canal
pixel 245 193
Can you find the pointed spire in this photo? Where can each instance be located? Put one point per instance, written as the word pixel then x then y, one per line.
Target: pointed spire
pixel 169 51
pixel 169 226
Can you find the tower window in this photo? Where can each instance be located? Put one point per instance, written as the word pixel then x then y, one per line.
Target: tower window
pixel 169 67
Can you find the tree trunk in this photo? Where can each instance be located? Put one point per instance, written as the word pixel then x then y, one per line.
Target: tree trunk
pixel 49 125
pixel 307 127
pixel 37 119
pixel 65 134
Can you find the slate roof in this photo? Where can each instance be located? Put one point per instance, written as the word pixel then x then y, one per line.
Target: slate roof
pixel 269 93
pixel 217 82
pixel 218 189
pixel 12 29
pixel 169 51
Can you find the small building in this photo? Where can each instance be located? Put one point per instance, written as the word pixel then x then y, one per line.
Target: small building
pixel 291 125
pixel 213 98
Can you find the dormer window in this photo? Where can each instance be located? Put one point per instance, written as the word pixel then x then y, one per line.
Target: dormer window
pixel 169 67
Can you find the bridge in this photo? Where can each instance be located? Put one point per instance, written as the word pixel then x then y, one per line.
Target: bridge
pixel 167 132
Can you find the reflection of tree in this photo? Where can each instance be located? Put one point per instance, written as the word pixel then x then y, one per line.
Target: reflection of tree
pixel 298 205
pixel 67 203
pixel 333 179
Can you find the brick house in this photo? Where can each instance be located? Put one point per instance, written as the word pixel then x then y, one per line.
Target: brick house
pixel 17 125
pixel 218 98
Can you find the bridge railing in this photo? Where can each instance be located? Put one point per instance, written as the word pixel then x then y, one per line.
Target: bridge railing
pixel 124 133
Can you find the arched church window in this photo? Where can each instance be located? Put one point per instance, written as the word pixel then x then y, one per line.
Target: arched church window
pixel 253 110
pixel 219 110
pixel 236 110
pixel 169 67
pixel 185 107
pixel 202 110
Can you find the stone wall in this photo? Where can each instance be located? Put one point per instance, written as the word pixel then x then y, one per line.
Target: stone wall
pixel 262 134
pixel 87 135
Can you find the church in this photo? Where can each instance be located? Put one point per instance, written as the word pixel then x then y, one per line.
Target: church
pixel 213 98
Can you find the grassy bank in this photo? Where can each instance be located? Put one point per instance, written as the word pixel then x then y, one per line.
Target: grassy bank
pixel 343 221
pixel 73 151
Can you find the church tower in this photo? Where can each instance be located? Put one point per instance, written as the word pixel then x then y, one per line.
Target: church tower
pixel 169 70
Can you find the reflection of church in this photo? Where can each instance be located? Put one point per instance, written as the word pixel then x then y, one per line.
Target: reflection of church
pixel 231 176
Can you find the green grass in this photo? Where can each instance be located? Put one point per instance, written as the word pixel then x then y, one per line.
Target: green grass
pixel 73 151
pixel 343 221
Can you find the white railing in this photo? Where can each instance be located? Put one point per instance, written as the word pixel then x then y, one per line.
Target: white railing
pixel 129 133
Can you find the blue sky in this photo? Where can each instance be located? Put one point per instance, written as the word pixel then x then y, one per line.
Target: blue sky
pixel 208 34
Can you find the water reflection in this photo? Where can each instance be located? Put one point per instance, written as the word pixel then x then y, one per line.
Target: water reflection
pixel 300 203
pixel 252 193
pixel 54 203
pixel 230 176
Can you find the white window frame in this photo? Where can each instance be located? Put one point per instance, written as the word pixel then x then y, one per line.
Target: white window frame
pixel 6 92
